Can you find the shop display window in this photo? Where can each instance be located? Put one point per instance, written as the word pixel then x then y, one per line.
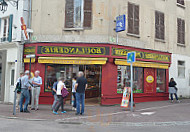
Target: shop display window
pixel 161 81
pixel 124 78
pixel 91 72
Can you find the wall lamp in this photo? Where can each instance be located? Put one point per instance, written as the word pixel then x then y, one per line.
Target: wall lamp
pixel 4 5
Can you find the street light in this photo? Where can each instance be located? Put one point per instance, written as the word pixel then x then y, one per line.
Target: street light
pixel 4 5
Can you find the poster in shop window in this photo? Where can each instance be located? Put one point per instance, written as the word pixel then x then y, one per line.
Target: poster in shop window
pixel 126 97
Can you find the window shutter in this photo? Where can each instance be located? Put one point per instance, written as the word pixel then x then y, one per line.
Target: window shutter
pixel 130 18
pixel 183 32
pixel 162 27
pixel 156 24
pixel 136 19
pixel 0 26
pixel 69 13
pixel 87 14
pixel 10 27
pixel 178 30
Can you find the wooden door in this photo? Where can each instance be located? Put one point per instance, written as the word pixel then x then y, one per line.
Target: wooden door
pixel 149 80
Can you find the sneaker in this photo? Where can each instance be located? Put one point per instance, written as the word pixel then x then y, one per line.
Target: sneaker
pixel 76 113
pixel 36 109
pixel 64 112
pixel 178 101
pixel 26 111
pixel 55 113
pixel 81 113
pixel 32 108
pixel 21 110
pixel 172 101
pixel 73 108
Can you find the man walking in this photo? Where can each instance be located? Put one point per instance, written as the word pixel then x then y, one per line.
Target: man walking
pixel 81 85
pixel 37 82
pixel 25 92
pixel 19 93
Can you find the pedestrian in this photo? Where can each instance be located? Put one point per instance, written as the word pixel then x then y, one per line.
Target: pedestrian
pixel 173 90
pixel 37 82
pixel 19 92
pixel 60 86
pixel 80 86
pixel 74 92
pixel 25 86
pixel 54 90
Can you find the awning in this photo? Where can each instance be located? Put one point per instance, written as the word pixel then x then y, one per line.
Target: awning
pixel 72 60
pixel 27 60
pixel 142 64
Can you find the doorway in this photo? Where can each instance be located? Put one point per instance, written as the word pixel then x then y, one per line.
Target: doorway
pixel 91 72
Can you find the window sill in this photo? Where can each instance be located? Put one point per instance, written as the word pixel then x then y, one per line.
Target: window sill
pixel 181 45
pixel 160 40
pixel 73 29
pixel 180 5
pixel 133 35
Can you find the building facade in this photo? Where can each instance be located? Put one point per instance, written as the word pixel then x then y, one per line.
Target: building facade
pixel 159 27
pixel 11 47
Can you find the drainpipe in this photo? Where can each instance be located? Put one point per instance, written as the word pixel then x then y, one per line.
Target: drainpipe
pixel 30 14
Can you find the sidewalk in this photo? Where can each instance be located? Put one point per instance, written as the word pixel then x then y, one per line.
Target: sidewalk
pixel 144 112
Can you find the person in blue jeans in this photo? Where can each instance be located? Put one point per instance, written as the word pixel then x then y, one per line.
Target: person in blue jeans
pixel 25 92
pixel 80 86
pixel 54 90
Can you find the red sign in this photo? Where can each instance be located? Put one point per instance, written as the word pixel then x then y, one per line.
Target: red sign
pixel 149 79
pixel 23 27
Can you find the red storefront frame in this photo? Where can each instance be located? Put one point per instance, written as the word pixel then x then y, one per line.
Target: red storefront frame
pixel 109 94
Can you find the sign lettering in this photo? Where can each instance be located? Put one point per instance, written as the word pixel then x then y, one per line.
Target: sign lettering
pixel 141 55
pixel 29 50
pixel 73 50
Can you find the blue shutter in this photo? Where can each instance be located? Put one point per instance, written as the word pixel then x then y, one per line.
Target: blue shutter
pixel 10 28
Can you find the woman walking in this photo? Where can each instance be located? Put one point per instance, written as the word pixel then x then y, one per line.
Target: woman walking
pixel 173 90
pixel 60 86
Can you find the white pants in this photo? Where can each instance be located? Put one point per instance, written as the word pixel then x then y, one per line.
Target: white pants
pixel 35 97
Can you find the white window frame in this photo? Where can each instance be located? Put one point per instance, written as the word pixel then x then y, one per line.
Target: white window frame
pixel 2 37
pixel 180 67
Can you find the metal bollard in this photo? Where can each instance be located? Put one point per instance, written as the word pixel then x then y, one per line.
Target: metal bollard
pixel 14 105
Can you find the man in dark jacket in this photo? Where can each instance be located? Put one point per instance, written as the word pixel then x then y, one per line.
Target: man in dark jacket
pixel 81 85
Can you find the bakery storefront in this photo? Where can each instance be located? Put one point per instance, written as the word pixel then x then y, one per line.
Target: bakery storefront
pixel 105 68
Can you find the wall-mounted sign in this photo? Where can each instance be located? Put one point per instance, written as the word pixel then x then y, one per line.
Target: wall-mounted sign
pixel 150 79
pixel 73 50
pixel 29 50
pixel 142 55
pixel 120 23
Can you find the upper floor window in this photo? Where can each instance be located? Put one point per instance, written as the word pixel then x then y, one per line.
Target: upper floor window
pixel 78 14
pixel 133 18
pixel 159 25
pixel 6 28
pixel 181 2
pixel 180 31
pixel 181 69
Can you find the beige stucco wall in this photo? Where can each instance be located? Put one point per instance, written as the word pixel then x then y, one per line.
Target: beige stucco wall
pixel 48 24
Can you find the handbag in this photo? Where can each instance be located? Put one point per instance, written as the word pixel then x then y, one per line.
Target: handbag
pixel 64 92
pixel 176 88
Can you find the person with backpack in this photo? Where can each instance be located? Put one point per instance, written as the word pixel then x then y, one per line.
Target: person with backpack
pixel 25 86
pixel 18 88
pixel 54 90
pixel 61 94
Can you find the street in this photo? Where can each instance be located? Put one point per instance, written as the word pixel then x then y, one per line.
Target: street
pixel 149 116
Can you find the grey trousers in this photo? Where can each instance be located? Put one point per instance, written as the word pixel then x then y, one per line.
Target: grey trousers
pixel 35 97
